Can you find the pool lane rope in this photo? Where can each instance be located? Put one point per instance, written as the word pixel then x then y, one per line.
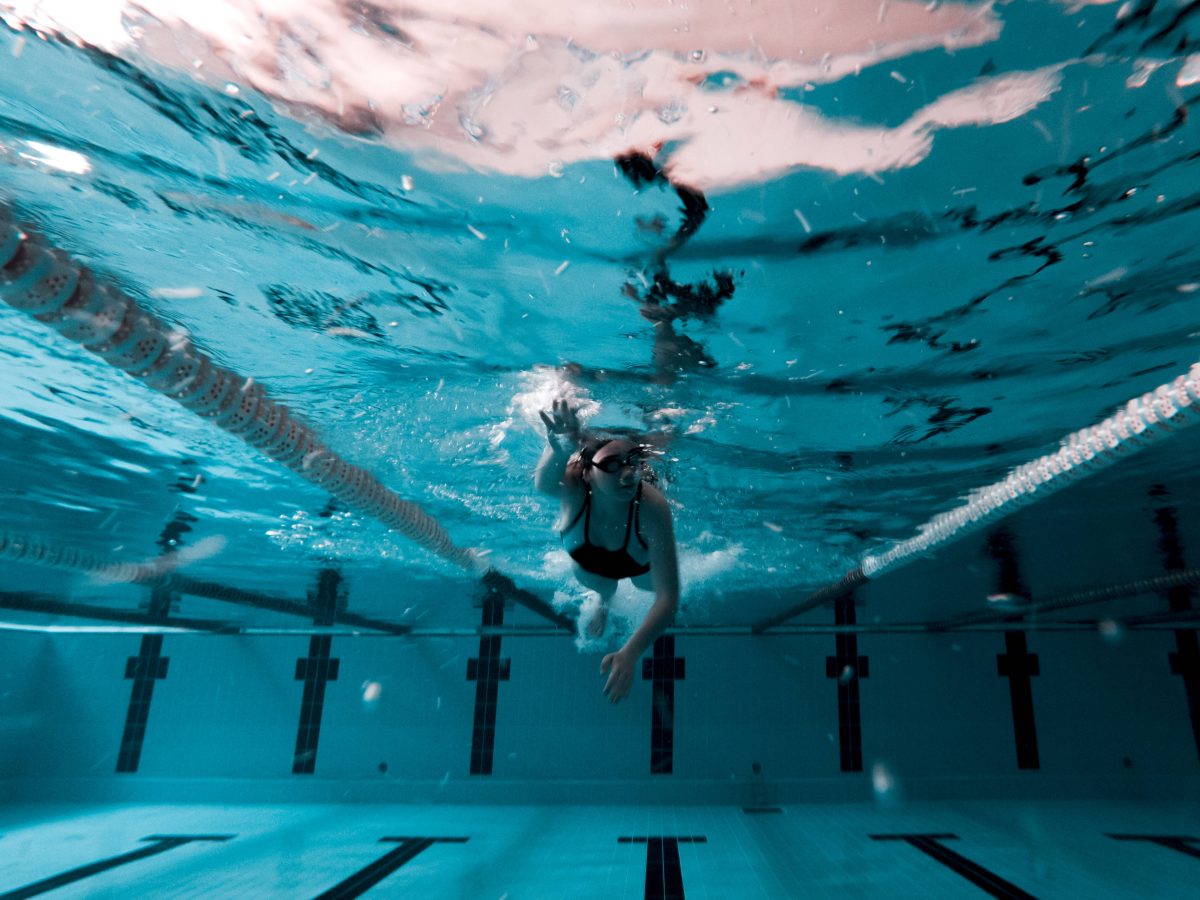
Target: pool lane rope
pixel 46 284
pixel 1140 423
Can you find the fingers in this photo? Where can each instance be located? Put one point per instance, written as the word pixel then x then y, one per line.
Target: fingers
pixel 619 680
pixel 546 419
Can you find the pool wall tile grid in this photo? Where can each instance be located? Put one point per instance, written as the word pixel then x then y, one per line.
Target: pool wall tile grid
pixel 1047 850
pixel 934 707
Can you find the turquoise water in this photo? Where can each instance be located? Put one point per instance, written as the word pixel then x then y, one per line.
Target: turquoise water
pixel 972 244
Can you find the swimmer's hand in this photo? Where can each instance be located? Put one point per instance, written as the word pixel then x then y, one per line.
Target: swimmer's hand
pixel 620 679
pixel 562 425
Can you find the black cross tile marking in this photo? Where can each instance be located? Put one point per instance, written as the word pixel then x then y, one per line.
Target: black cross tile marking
pixel 366 878
pixel 663 669
pixel 931 845
pixel 144 669
pixel 1019 667
pixel 664 876
pixel 315 670
pixel 150 665
pixel 1185 662
pixel 1017 664
pixel 1185 659
pixel 848 667
pixel 487 671
pixel 160 843
pixel 1181 843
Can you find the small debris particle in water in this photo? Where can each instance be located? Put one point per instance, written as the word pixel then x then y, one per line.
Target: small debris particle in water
pixel 803 221
pixel 1006 599
pixel 896 76
pixel 1111 630
pixel 406 182
pixel 778 529
pixel 338 331
pixel 562 267
pixel 882 779
pixel 475 231
pixel 179 293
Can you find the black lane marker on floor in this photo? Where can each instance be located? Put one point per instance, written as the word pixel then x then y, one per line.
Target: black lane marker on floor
pixel 1185 660
pixel 365 879
pixel 663 669
pixel 664 876
pixel 487 671
pixel 931 846
pixel 1180 843
pixel 144 669
pixel 161 844
pixel 1017 664
pixel 316 670
pixel 847 667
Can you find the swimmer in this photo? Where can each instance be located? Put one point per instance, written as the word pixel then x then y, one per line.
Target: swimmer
pixel 614 525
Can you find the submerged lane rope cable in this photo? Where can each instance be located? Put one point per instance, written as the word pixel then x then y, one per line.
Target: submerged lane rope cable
pixel 47 285
pixel 1138 424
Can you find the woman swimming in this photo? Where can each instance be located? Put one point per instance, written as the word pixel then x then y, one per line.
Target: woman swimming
pixel 615 526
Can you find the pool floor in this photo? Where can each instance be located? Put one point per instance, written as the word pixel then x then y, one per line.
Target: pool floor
pixel 975 849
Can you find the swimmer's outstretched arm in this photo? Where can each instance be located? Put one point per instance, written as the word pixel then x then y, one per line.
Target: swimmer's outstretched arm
pixel 562 438
pixel 664 568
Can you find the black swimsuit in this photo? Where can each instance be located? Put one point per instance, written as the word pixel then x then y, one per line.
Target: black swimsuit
pixel 614 564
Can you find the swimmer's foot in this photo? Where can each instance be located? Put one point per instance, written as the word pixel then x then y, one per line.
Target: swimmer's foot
pixel 596 627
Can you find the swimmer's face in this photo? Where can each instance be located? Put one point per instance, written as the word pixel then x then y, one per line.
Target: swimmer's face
pixel 617 468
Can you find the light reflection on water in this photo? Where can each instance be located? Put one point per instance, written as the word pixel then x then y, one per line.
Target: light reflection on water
pixel 841 287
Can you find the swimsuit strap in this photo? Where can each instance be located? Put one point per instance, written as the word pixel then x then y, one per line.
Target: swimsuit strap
pixel 637 522
pixel 633 505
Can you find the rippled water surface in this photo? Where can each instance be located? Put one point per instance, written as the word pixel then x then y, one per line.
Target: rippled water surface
pixel 843 265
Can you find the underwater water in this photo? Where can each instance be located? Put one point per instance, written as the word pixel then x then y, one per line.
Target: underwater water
pixel 842 267
pixel 886 285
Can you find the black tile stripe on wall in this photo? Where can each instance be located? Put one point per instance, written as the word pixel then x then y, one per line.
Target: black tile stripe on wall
pixel 663 669
pixel 159 843
pixel 848 667
pixel 664 874
pixel 1185 660
pixel 316 670
pixel 931 845
pixel 1180 843
pixel 144 669
pixel 1016 664
pixel 487 671
pixel 369 876
pixel 150 665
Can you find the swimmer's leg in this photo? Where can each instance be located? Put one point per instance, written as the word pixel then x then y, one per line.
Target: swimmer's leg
pixel 605 587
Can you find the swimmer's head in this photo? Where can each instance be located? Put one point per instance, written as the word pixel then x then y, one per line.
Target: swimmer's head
pixel 612 465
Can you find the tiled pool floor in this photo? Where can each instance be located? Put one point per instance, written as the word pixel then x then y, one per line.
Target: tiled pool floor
pixel 976 849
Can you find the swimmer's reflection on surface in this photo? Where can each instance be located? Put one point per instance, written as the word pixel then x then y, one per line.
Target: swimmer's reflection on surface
pixel 615 525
